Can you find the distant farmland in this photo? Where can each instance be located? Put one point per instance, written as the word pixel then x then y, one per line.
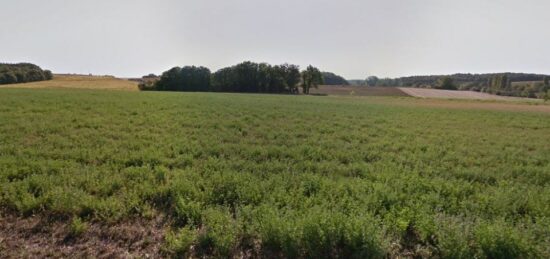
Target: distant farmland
pixel 81 82
pixel 358 91
pixel 88 173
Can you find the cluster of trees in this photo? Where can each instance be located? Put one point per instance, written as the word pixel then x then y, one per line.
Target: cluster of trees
pixel 246 77
pixel 334 79
pixel 22 73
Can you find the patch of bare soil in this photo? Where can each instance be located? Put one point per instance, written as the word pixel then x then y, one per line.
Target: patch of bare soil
pixel 449 94
pixel 36 237
pixel 358 91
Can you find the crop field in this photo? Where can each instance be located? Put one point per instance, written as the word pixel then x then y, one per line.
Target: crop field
pixel 89 173
pixel 358 91
pixel 453 94
pixel 81 82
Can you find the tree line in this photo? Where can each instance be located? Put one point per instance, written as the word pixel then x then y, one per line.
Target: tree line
pixel 22 73
pixel 246 77
pixel 509 84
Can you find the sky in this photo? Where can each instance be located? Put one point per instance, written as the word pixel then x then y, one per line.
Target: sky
pixel 353 38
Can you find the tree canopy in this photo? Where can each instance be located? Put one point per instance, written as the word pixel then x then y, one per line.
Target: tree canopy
pixel 311 77
pixel 245 77
pixel 22 73
pixel 330 78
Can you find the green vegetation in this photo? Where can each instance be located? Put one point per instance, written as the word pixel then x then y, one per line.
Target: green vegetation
pixel 293 176
pixel 330 78
pixel 246 77
pixel 77 227
pixel 508 84
pixel 446 83
pixel 22 73
pixel 311 77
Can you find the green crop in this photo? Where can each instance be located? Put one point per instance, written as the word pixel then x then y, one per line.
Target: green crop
pixel 292 176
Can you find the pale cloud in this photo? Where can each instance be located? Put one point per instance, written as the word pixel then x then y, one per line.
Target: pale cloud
pixel 351 38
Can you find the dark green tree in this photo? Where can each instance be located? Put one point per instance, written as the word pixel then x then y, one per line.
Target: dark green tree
pixel 311 77
pixel 372 81
pixel 330 78
pixel 447 83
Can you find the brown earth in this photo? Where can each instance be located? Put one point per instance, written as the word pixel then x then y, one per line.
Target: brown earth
pixel 450 94
pixel 357 91
pixel 36 237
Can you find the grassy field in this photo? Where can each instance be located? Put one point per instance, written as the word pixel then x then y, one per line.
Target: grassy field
pixel 272 175
pixel 81 82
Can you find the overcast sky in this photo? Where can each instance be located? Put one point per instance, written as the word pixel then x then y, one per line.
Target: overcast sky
pixel 354 38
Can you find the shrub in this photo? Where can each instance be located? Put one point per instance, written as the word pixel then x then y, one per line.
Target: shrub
pixel 179 243
pixel 77 227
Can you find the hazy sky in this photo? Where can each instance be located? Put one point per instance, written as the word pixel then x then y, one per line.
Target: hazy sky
pixel 354 38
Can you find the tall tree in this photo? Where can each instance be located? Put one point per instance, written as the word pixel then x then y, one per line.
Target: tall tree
pixel 311 77
pixel 372 81
pixel 291 76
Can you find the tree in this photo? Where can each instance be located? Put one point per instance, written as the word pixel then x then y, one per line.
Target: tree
pixel 291 74
pixel 22 73
pixel 447 83
pixel 169 80
pixel 311 77
pixel 372 81
pixel 546 81
pixel 330 78
pixel 48 74
pixel 7 77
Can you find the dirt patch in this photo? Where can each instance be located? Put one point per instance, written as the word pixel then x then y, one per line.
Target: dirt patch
pixel 358 91
pixel 35 237
pixel 449 94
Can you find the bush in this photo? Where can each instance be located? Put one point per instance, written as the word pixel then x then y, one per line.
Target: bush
pixel 77 227
pixel 179 243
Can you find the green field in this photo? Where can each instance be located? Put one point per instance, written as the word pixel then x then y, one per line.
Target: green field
pixel 275 175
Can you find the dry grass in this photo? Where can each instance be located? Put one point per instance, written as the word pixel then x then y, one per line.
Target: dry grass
pixel 82 82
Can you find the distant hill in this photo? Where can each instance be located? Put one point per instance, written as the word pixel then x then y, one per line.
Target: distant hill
pixel 334 79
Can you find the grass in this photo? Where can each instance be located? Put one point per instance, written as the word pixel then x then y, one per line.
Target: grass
pixel 81 82
pixel 292 176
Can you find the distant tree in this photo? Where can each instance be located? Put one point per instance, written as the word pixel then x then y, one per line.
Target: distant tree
pixel 48 74
pixel 150 76
pixel 447 83
pixel 372 80
pixel 311 77
pixel 291 76
pixel 7 77
pixel 330 78
pixel 546 81
pixel 169 80
pixel 22 72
